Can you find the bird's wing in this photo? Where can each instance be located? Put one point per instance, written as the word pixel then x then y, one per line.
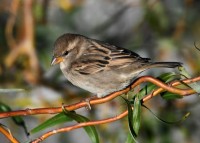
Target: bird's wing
pixel 100 57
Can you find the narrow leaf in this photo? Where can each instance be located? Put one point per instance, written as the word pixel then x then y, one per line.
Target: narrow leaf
pixel 132 134
pixel 136 115
pixel 167 77
pixel 147 89
pixel 57 119
pixel 4 107
pixel 90 130
pixel 18 120
pixel 170 96
pixel 130 139
pixel 67 117
pixel 168 122
pixel 130 117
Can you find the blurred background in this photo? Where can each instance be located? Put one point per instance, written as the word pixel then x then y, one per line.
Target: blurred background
pixel 162 30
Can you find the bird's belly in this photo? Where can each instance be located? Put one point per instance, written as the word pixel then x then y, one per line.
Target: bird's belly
pixel 101 84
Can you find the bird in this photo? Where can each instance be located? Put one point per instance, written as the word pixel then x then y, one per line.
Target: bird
pixel 99 67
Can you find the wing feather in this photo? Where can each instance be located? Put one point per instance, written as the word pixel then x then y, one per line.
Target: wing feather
pixel 100 57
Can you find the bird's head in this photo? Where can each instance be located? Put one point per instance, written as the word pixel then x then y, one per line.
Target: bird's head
pixel 63 46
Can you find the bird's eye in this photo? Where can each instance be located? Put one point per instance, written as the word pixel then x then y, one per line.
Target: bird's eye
pixel 65 53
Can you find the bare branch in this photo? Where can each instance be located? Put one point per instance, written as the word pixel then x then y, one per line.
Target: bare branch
pixel 8 134
pixel 183 92
pixel 78 105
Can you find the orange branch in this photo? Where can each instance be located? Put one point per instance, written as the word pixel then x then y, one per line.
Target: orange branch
pixel 159 90
pixel 106 98
pixel 148 97
pixel 79 125
pixel 8 135
pixel 163 87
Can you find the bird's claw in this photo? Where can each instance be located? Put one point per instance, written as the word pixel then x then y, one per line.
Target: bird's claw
pixel 88 107
pixel 87 101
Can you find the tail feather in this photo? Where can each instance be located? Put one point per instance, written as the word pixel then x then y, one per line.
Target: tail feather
pixel 165 64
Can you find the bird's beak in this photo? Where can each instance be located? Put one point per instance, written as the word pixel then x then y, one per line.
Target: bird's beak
pixel 56 60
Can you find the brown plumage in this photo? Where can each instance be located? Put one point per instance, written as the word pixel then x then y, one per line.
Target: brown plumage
pixel 99 67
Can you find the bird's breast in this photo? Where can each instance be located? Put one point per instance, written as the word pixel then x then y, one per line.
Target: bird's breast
pixel 62 66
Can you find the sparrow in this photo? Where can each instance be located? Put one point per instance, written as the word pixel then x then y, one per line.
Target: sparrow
pixel 99 67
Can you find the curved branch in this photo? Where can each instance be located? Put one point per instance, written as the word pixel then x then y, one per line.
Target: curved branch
pixel 148 97
pixel 8 135
pixel 159 90
pixel 79 125
pixel 164 86
pixel 78 105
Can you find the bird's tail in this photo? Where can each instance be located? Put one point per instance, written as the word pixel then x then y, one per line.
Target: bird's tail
pixel 165 64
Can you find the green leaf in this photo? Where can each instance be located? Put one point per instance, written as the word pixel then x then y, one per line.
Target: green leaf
pixel 168 122
pixel 133 134
pixel 147 89
pixel 130 139
pixel 4 107
pixel 18 120
pixel 67 117
pixel 167 77
pixel 90 130
pixel 57 119
pixel 136 115
pixel 194 86
pixel 170 96
pixel 130 117
pixel 130 95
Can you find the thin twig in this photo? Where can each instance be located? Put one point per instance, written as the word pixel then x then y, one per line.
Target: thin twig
pixel 97 122
pixel 176 83
pixel 79 125
pixel 8 135
pixel 163 85
pixel 78 105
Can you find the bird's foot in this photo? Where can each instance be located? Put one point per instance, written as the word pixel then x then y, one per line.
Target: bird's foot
pixel 63 108
pixel 87 100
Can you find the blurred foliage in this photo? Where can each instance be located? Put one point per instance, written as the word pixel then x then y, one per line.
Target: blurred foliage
pixel 162 30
